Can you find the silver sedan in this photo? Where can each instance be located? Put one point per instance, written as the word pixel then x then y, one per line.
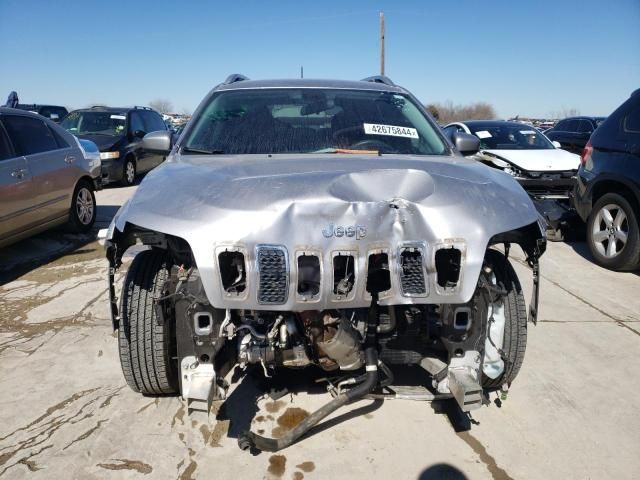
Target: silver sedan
pixel 47 177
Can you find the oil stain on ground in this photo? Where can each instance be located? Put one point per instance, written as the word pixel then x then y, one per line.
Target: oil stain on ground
pixel 125 464
pixel 289 420
pixel 277 465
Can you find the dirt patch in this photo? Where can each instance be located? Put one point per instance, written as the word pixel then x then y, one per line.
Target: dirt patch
pixel 220 429
pixel 125 464
pixel 179 416
pixel 298 476
pixel 277 465
pixel 289 420
pixel 307 467
pixel 274 407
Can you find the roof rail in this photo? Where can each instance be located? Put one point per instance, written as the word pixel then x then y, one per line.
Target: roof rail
pixel 137 107
pixel 234 77
pixel 98 106
pixel 379 79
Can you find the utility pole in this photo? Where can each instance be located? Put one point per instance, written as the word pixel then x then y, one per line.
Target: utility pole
pixel 381 43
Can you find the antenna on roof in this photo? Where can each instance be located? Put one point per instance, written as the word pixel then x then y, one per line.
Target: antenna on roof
pixel 301 71
pixel 382 44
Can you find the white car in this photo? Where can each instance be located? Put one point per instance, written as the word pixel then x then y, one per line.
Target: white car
pixel 543 169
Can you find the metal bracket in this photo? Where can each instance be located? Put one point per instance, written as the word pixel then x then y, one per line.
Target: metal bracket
pixel 198 382
pixel 534 262
pixel 465 389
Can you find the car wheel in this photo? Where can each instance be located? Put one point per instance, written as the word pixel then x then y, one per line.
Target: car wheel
pixel 82 213
pixel 612 233
pixel 128 172
pixel 514 341
pixel 147 347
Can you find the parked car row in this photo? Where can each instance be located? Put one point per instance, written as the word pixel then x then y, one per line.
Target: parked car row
pixel 546 172
pixel 49 171
pixel 602 185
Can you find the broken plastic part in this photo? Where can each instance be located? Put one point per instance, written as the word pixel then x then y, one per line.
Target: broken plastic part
pixel 448 267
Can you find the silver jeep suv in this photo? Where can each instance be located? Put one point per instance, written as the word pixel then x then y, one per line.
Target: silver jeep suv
pixel 301 223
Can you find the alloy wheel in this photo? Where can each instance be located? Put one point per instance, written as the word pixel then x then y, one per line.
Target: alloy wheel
pixel 84 206
pixel 610 230
pixel 130 172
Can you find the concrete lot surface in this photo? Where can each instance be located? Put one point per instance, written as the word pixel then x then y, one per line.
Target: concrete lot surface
pixel 65 411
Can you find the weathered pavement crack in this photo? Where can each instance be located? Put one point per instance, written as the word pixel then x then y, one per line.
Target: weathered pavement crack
pixel 497 473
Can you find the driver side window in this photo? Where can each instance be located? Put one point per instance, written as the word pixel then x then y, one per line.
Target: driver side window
pixel 136 123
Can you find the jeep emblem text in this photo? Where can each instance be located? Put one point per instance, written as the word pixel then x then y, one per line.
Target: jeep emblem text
pixel 358 231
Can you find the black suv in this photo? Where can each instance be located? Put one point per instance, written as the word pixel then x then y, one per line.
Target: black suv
pixel 607 191
pixel 574 132
pixel 118 133
pixel 53 112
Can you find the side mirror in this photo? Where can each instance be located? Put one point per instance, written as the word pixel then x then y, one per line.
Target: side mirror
pixel 556 144
pixel 157 142
pixel 465 143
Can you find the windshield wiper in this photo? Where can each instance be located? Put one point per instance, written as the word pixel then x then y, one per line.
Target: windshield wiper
pixel 200 150
pixel 348 150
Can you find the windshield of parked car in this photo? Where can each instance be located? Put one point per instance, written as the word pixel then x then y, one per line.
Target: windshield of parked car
pixel 312 121
pixel 95 123
pixel 510 136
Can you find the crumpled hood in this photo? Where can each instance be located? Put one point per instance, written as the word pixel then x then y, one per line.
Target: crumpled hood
pixel 538 160
pixel 293 201
pixel 196 188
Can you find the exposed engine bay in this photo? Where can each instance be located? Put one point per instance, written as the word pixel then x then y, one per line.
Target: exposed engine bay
pixel 459 345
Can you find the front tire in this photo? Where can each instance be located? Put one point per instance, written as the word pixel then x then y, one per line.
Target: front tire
pixel 612 233
pixel 82 214
pixel 514 342
pixel 128 172
pixel 146 347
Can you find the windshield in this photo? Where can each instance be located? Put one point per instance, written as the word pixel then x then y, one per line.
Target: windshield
pixel 95 123
pixel 510 136
pixel 312 121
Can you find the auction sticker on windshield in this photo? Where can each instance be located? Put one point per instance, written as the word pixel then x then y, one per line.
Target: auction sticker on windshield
pixel 390 130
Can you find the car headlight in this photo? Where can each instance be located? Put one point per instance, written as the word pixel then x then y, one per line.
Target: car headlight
pixel 109 155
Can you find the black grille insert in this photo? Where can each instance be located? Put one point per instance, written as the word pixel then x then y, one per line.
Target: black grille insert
pixel 412 272
pixel 272 265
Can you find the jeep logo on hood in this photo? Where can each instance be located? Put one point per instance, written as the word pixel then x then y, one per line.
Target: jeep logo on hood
pixel 357 231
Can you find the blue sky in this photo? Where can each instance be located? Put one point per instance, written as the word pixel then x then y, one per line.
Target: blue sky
pixel 527 58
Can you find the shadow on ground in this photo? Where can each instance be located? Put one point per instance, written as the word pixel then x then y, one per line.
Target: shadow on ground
pixel 20 258
pixel 582 249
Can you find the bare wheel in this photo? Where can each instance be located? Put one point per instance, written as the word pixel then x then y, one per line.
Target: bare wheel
pixel 128 172
pixel 82 213
pixel 612 233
